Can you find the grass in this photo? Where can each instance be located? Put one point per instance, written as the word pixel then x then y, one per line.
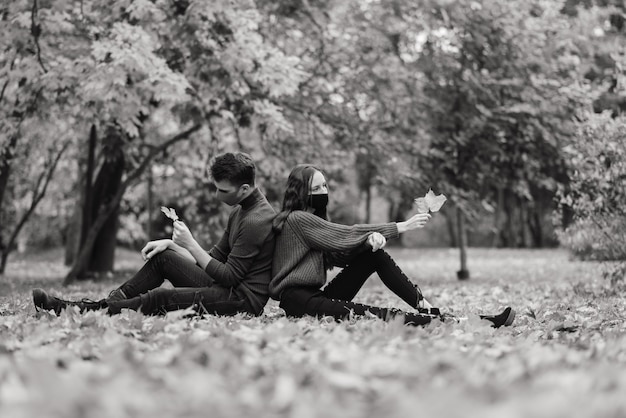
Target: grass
pixel 564 356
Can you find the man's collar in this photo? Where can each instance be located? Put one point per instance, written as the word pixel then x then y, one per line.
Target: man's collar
pixel 249 201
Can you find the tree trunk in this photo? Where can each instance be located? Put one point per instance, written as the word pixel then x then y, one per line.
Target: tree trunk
pixel 463 273
pixel 498 219
pixel 82 260
pixel 84 256
pixel 72 237
pixel 523 218
pixel 508 233
pixel 452 235
pixel 88 207
pixel 368 203
pixel 150 204
pixel 535 228
pixel 79 225
pixel 105 187
pixel 5 173
pixel 5 166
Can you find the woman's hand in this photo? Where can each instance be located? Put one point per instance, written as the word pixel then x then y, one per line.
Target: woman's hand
pixel 152 248
pixel 376 240
pixel 182 236
pixel 414 222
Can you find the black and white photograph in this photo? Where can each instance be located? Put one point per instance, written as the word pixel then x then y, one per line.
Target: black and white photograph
pixel 312 208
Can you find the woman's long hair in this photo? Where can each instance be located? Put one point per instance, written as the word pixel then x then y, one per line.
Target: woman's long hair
pixel 296 194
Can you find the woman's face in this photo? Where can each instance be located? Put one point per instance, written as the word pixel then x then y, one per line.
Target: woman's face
pixel 318 184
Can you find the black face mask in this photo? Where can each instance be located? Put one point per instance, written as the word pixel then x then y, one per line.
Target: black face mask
pixel 319 202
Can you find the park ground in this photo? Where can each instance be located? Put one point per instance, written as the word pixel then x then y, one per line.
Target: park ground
pixel 564 356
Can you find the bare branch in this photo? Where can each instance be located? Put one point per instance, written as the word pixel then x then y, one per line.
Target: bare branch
pixel 136 173
pixel 38 194
pixel 35 30
pixel 4 87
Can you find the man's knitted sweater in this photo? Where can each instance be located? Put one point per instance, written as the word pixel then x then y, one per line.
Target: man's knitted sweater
pixel 300 248
pixel 242 259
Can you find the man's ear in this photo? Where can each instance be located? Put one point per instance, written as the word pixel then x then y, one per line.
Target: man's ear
pixel 245 187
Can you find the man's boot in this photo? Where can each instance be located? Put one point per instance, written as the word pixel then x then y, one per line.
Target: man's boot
pixel 50 303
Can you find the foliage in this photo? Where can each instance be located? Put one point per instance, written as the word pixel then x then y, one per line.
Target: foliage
pixel 474 99
pixel 564 355
pixel 501 97
pixel 597 195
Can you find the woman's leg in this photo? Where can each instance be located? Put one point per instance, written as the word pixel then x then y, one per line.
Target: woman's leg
pixel 169 265
pixel 302 301
pixel 348 282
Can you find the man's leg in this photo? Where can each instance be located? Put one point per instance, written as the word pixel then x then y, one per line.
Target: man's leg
pixel 214 299
pixel 299 302
pixel 169 265
pixel 348 282
pixel 165 265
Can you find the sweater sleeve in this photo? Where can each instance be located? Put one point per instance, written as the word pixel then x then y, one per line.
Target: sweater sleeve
pixel 320 234
pixel 253 233
pixel 222 248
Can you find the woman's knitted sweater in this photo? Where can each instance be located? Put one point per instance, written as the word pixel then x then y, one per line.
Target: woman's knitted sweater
pixel 300 246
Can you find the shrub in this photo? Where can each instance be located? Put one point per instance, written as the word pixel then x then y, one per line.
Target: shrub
pixel 597 189
pixel 596 239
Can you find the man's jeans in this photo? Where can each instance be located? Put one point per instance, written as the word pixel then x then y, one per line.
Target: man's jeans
pixel 193 287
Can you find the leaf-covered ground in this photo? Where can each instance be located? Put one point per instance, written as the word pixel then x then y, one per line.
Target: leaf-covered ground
pixel 564 356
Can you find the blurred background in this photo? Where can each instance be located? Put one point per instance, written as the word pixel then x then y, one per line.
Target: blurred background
pixel 512 109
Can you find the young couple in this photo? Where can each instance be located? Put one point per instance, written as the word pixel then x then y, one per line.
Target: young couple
pixel 263 254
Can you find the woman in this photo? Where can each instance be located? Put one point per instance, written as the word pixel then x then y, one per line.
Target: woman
pixel 307 245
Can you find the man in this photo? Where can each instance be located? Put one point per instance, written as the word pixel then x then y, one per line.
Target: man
pixel 232 277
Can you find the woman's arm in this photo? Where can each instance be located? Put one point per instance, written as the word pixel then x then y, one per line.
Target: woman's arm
pixel 328 236
pixel 320 234
pixel 414 222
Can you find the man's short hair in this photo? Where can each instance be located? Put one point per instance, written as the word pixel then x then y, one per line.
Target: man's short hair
pixel 235 167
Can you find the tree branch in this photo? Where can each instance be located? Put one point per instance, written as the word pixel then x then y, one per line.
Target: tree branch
pixel 4 87
pixel 38 194
pixel 136 173
pixel 35 30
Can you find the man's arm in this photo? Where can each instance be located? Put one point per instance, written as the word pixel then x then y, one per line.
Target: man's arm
pixel 184 243
pixel 200 256
pixel 154 247
pixel 222 248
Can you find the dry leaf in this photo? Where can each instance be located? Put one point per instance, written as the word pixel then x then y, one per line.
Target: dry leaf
pixel 430 202
pixel 170 213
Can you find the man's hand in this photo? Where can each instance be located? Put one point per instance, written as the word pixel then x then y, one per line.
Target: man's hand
pixel 182 236
pixel 376 240
pixel 152 248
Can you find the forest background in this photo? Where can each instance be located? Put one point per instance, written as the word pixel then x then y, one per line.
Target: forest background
pixel 514 110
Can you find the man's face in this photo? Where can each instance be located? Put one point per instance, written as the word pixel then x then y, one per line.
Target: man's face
pixel 229 193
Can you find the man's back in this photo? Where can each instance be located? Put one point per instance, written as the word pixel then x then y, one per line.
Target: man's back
pixel 242 259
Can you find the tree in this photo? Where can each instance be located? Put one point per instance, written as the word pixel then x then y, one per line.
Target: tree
pixel 165 67
pixel 502 96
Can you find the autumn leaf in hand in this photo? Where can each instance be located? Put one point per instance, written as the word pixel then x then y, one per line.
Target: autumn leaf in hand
pixel 170 213
pixel 430 202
